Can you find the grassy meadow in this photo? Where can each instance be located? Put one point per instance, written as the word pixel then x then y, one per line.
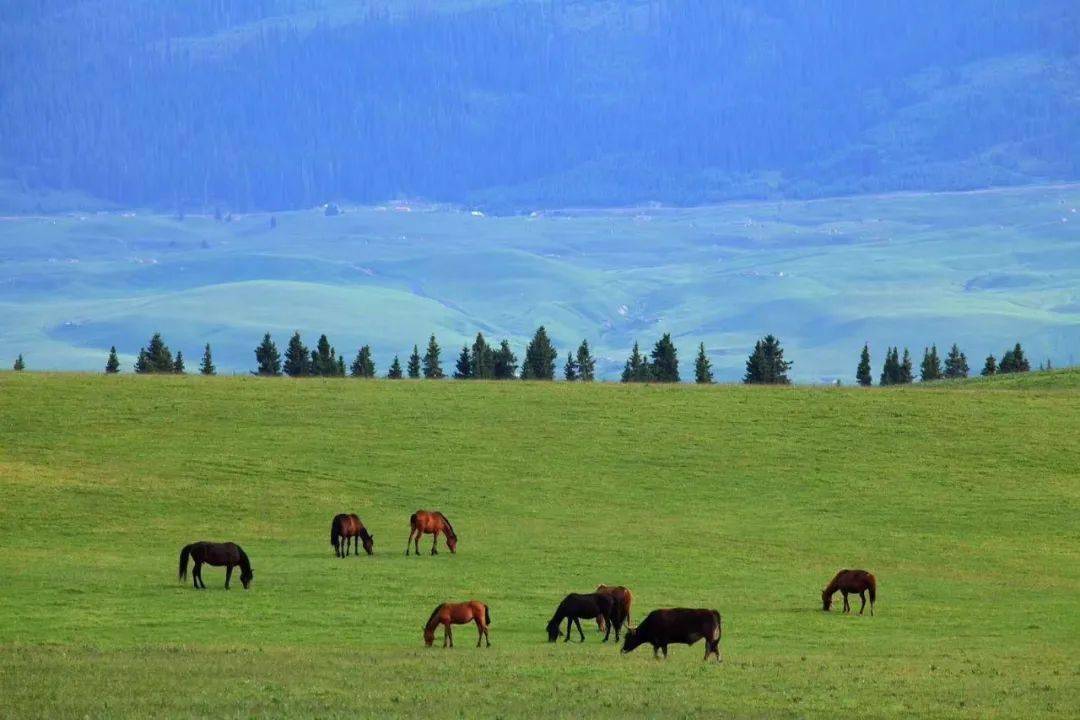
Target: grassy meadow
pixel 963 498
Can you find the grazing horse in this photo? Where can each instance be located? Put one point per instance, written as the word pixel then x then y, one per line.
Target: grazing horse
pixel 434 522
pixel 449 614
pixel 621 612
pixel 227 554
pixel 850 581
pixel 576 606
pixel 349 526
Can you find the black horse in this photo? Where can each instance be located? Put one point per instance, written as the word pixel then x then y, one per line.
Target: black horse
pixel 228 554
pixel 576 606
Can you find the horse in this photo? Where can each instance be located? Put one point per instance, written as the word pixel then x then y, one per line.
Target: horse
pixel 576 606
pixel 217 554
pixel 623 600
pixel 434 522
pixel 448 614
pixel 851 581
pixel 349 526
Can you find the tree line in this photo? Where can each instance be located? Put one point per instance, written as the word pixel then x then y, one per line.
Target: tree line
pixel 898 370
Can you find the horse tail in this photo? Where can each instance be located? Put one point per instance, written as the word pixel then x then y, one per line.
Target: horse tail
pixel 872 588
pixel 487 615
pixel 184 554
pixel 335 524
pixel 245 564
pixel 412 521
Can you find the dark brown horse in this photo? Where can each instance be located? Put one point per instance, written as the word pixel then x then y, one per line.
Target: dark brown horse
pixel 228 554
pixel 346 526
pixel 621 612
pixel 580 605
pixel 433 522
pixel 449 614
pixel 850 581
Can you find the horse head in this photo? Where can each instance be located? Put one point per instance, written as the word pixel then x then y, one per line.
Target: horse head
pixel 826 599
pixel 369 543
pixel 246 577
pixel 429 635
pixel 553 630
pixel 451 542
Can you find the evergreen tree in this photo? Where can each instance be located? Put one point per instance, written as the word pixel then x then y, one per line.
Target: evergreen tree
pixel 112 365
pixel 432 365
pixel 463 369
pixel 930 369
pixel 414 363
pixel 324 360
pixel 540 355
pixel 635 368
pixel 586 363
pixel 20 364
pixel 482 359
pixel 340 369
pixel 906 374
pixel 956 365
pixel 178 364
pixel 766 364
pixel 862 373
pixel 570 370
pixel 505 362
pixel 990 367
pixel 702 367
pixel 155 357
pixel 268 357
pixel 363 366
pixel 394 373
pixel 890 371
pixel 665 360
pixel 297 359
pixel 1013 361
pixel 206 367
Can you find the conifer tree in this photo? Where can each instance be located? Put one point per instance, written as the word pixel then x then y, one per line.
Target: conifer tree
pixel 324 359
pixel 297 359
pixel 1014 361
pixel 340 370
pixel 989 367
pixel 155 357
pixel 432 364
pixel 463 369
pixel 268 358
pixel 766 364
pixel 20 364
pixel 906 373
pixel 206 367
pixel 586 363
pixel 930 369
pixel 633 370
pixel 363 366
pixel 178 364
pixel 394 373
pixel 142 362
pixel 540 355
pixel 890 371
pixel 956 365
pixel 482 358
pixel 665 360
pixel 570 371
pixel 112 365
pixel 505 363
pixel 862 373
pixel 414 363
pixel 703 374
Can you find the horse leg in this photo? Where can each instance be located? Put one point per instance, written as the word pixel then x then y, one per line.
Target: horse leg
pixel 195 575
pixel 450 634
pixel 419 532
pixel 408 543
pixel 479 630
pixel 228 575
pixel 656 652
pixel 862 596
pixel 607 633
pixel 664 648
pixel 577 621
pixel 569 627
pixel 847 607
pixel 434 542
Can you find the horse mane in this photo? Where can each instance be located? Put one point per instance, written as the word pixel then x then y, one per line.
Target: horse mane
pixel 431 620
pixel 448 525
pixel 245 564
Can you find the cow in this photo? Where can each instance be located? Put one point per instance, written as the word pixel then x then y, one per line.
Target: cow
pixel 677 625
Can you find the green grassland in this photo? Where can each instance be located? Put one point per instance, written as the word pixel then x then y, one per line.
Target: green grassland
pixel 983 269
pixel 963 498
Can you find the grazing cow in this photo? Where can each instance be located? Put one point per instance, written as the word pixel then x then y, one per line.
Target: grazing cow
pixel 677 625
pixel 576 606
pixel 850 581
pixel 621 612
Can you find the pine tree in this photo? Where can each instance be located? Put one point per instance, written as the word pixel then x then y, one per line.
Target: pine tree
pixel 364 366
pixel 112 365
pixel 297 358
pixel 505 362
pixel 586 363
pixel 178 364
pixel 463 369
pixel 570 370
pixel 324 361
pixel 268 357
pixel 702 367
pixel 20 364
pixel 956 365
pixel 766 364
pixel 155 357
pixel 394 373
pixel 340 368
pixel 1013 361
pixel 665 360
pixel 633 370
pixel 432 365
pixel 906 374
pixel 206 367
pixel 414 363
pixel 862 373
pixel 930 369
pixel 890 371
pixel 540 355
pixel 990 367
pixel 483 359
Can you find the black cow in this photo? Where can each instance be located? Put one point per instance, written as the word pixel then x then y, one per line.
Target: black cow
pixel 677 625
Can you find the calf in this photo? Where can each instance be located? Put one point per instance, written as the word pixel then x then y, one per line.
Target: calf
pixel 677 625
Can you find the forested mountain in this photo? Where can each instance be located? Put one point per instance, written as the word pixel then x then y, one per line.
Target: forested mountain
pixel 514 105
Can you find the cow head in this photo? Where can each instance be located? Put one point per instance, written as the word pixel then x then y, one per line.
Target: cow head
pixel 631 639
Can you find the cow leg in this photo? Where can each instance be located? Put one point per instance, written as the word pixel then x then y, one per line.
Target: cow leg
pixel 664 648
pixel 228 575
pixel 862 596
pixel 656 652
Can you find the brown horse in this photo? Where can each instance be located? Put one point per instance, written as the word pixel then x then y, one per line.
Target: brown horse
pixel 433 522
pixel 449 614
pixel 227 554
pixel 850 581
pixel 621 612
pixel 348 526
